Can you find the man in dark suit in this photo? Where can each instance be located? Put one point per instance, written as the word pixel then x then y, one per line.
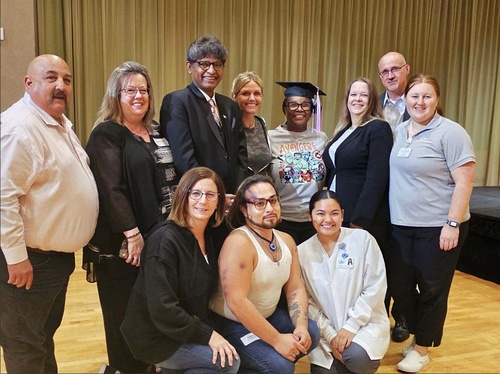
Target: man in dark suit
pixel 203 127
pixel 393 72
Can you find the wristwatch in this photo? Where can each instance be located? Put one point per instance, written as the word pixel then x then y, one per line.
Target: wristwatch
pixel 452 223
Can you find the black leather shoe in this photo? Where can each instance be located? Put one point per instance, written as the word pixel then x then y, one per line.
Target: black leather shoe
pixel 400 332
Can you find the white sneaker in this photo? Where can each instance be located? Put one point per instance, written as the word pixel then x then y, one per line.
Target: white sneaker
pixel 102 369
pixel 408 348
pixel 413 362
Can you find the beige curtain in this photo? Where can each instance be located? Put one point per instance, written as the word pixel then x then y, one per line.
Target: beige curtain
pixel 326 42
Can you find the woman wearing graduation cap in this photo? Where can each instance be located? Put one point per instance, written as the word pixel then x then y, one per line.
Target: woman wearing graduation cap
pixel 297 167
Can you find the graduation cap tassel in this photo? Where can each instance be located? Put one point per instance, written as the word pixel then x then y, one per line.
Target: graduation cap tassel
pixel 317 115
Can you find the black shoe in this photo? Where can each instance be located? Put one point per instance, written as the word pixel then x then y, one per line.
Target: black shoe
pixel 400 332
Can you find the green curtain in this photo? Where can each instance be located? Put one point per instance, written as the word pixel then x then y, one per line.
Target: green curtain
pixel 326 42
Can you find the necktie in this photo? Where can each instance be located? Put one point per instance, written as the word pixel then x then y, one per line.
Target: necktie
pixel 213 108
pixel 392 115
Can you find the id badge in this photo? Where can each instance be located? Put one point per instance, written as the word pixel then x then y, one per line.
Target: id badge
pixel 346 263
pixel 160 142
pixel 404 152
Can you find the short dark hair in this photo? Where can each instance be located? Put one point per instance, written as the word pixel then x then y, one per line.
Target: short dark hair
pixel 206 45
pixel 323 195
pixel 235 217
pixel 179 211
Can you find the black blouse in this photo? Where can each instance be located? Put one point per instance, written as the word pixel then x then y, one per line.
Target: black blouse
pixel 135 181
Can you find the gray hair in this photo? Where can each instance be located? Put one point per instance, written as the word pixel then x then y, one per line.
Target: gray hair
pixel 206 45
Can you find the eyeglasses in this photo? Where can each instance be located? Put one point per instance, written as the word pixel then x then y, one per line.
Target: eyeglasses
pixel 394 70
pixel 260 204
pixel 210 196
pixel 131 92
pixel 205 65
pixel 306 106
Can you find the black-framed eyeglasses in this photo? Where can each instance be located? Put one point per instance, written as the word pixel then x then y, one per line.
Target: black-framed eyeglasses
pixel 131 92
pixel 197 194
pixel 205 65
pixel 394 70
pixel 305 106
pixel 260 204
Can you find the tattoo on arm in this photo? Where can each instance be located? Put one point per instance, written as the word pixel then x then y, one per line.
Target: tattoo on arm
pixel 294 309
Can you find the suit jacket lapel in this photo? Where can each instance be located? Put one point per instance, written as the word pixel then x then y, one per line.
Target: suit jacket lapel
pixel 205 106
pixel 214 127
pixel 357 131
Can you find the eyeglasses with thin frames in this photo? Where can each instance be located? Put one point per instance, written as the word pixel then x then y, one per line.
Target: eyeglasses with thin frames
pixel 260 204
pixel 205 65
pixel 293 106
pixel 131 92
pixel 394 70
pixel 210 196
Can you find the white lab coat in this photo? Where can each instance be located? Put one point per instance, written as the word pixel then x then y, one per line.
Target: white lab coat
pixel 346 290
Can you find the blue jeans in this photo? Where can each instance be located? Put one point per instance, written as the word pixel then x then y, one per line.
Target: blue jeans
pixel 30 318
pixel 259 356
pixel 196 358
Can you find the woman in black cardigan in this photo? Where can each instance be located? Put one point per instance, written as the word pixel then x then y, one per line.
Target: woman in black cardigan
pixel 167 321
pixel 135 176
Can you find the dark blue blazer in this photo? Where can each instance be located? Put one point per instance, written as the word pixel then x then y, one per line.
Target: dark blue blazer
pixel 362 170
pixel 187 123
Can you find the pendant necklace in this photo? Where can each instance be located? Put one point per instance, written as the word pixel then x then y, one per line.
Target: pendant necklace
pixel 273 247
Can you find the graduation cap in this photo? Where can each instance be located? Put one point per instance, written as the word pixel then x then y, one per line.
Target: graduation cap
pixel 309 90
pixel 302 89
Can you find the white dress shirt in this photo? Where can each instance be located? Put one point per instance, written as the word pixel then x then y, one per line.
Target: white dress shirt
pixel 49 197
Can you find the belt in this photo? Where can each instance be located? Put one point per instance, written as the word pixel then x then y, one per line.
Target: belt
pixel 47 253
pixel 36 250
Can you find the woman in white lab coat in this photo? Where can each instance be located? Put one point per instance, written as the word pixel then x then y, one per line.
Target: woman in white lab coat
pixel 344 273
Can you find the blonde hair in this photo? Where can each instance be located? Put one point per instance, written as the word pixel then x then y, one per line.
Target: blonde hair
pixel 242 79
pixel 110 108
pixel 374 109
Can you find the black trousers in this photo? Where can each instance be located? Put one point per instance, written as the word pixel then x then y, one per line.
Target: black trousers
pixel 115 280
pixel 424 264
pixel 30 318
pixel 299 231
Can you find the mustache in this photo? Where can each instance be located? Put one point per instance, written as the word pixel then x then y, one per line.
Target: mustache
pixel 59 95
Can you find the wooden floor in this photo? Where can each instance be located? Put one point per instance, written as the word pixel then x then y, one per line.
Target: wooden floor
pixel 471 342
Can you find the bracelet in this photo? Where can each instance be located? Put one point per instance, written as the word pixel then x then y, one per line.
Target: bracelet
pixel 131 236
pixel 132 241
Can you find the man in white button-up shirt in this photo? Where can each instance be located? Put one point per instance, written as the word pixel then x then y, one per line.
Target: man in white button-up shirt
pixel 393 72
pixel 49 207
